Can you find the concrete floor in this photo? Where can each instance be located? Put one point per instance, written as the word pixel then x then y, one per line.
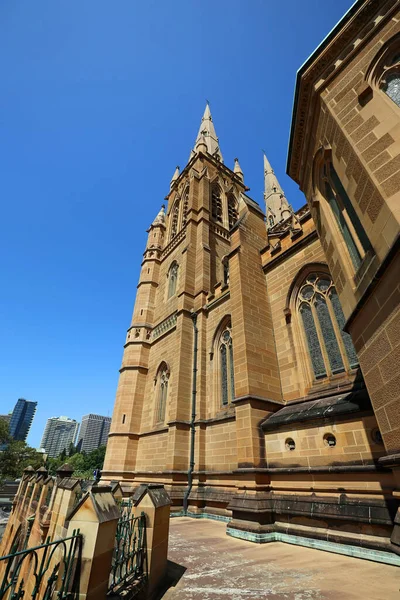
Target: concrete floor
pixel 211 565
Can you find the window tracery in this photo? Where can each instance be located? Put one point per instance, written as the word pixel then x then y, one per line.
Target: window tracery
pixel 227 378
pixel 330 348
pixel 384 72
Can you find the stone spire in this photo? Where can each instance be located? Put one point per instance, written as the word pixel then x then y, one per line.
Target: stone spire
pixel 160 218
pixel 174 177
pixel 207 132
pixel 277 207
pixel 237 169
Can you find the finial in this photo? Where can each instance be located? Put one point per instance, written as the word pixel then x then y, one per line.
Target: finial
pixel 208 133
pixel 175 176
pixel 238 170
pixel 160 218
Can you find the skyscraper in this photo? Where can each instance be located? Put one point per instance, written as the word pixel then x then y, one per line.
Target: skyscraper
pixel 58 435
pixel 21 419
pixel 94 432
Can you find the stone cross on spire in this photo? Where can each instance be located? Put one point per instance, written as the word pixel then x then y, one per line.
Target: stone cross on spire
pixel 277 207
pixel 207 133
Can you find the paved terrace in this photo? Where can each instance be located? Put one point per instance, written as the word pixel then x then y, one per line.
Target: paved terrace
pixel 209 565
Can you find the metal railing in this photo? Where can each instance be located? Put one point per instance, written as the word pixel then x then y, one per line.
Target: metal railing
pixel 129 563
pixel 43 572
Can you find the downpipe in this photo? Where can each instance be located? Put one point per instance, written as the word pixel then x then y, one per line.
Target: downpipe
pixel 193 417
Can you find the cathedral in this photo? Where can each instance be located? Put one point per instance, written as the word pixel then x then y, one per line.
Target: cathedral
pixel 260 377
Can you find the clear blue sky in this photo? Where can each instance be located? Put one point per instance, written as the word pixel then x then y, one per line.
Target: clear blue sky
pixel 100 101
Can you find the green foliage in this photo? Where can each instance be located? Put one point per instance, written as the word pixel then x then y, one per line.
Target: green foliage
pixel 4 433
pixel 82 463
pixel 15 457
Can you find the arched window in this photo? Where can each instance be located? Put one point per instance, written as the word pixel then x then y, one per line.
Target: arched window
pixel 216 203
pixel 329 347
pixel 226 373
pixel 175 219
pixel 172 279
pixel 225 266
pixel 185 206
pixel 346 217
pixel 161 392
pixel 384 72
pixel 232 210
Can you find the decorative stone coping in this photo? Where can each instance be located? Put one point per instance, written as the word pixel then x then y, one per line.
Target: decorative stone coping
pixel 348 550
pixel 164 326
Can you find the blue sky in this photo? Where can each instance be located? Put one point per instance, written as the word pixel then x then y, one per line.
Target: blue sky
pixel 100 101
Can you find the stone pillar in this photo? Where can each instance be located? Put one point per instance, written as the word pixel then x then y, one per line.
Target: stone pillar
pixel 153 500
pixel 96 517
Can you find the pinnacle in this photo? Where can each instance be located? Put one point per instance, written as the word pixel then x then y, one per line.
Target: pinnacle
pixel 207 135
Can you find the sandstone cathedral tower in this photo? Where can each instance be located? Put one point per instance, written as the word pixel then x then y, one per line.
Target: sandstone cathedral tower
pixel 239 389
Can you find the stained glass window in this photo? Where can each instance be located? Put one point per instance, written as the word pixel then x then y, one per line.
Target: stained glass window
pixel 172 279
pixel 312 341
pixel 232 376
pixel 328 333
pixel 392 87
pixel 224 375
pixel 330 348
pixel 226 367
pixel 348 344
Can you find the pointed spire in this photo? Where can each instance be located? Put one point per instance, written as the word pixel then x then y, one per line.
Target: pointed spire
pixel 207 135
pixel 160 218
pixel 277 207
pixel 271 183
pixel 174 177
pixel 238 170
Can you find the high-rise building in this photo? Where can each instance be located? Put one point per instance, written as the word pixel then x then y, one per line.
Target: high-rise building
pixel 21 419
pixel 94 432
pixel 58 435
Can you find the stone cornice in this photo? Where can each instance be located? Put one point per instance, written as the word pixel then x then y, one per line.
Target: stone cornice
pixel 332 55
pixel 295 247
pixel 259 399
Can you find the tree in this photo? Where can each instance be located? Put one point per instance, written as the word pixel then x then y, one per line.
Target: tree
pixel 4 432
pixel 16 457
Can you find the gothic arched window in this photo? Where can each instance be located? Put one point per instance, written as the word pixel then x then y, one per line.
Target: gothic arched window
pixel 329 347
pixel 216 203
pixel 384 72
pixel 175 219
pixel 346 217
pixel 172 279
pixel 225 266
pixel 161 392
pixel 232 210
pixel 226 373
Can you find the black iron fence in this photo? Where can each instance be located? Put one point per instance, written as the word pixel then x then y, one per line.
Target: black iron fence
pixel 39 572
pixel 129 564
